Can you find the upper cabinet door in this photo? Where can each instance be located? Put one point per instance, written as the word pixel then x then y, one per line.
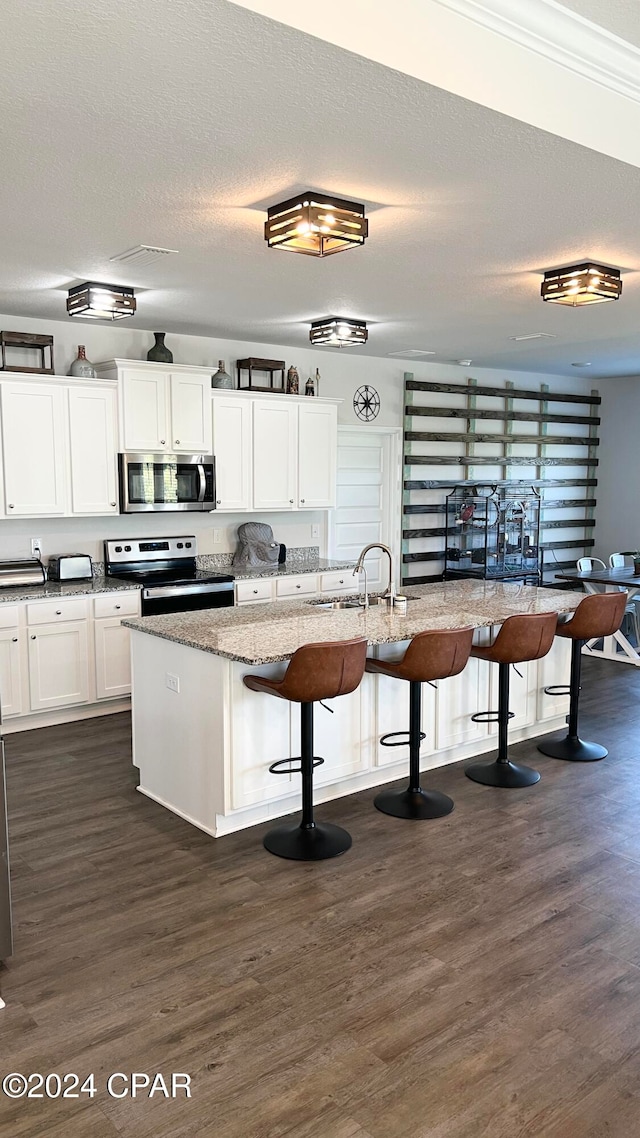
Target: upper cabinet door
pixel 275 453
pixel 317 455
pixel 190 413
pixel 145 411
pixel 33 439
pixel 92 447
pixel 232 448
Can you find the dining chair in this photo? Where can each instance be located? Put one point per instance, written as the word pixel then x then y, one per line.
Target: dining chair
pixel 616 561
pixel 622 561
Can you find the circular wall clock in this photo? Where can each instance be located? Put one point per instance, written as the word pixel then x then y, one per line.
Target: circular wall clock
pixel 366 403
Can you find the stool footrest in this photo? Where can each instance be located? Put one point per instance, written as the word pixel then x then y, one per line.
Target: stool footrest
pixel 284 766
pixel 386 740
pixel 489 716
pixel 558 689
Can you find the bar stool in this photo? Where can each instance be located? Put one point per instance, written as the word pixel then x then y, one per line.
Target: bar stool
pixel 520 638
pixel 315 672
pixel 430 656
pixel 598 615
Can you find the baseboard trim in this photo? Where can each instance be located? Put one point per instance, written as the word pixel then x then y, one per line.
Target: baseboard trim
pixel 64 715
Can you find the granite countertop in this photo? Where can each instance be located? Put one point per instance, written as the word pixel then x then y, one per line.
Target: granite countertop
pixel 309 565
pixel 56 590
pixel 266 634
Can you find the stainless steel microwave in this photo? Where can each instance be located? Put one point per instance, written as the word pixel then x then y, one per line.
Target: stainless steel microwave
pixel 168 482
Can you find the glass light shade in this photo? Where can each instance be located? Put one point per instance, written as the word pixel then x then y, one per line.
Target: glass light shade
pixel 339 331
pixel 101 301
pixel 316 224
pixel 578 285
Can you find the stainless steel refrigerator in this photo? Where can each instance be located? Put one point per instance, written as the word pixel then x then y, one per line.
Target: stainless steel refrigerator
pixel 6 941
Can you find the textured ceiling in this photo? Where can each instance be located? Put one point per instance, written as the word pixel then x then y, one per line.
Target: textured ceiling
pixel 171 122
pixel 621 17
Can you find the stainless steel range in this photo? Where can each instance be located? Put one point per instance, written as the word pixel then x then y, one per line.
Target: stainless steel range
pixel 165 569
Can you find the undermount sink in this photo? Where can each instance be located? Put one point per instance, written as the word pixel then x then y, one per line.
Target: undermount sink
pixel 336 604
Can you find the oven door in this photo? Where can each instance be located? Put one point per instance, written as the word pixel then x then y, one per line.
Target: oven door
pixel 168 482
pixel 160 599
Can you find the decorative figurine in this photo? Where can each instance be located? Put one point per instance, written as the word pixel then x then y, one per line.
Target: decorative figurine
pixel 309 388
pixel 317 381
pixel 221 378
pixel 159 353
pixel 293 381
pixel 81 366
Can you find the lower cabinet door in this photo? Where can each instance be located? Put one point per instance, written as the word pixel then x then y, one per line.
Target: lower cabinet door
pixel 553 670
pixel 393 712
pixel 58 664
pixel 457 699
pixel 113 659
pixel 260 734
pixel 10 672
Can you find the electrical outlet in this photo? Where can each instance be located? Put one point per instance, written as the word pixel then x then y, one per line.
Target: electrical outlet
pixel 172 682
pixel 217 536
pixel 36 547
pixel 315 530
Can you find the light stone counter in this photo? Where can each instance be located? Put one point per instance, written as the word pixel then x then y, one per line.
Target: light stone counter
pixel 259 634
pixel 58 590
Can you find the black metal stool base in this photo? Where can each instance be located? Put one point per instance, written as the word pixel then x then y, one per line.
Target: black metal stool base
pixel 508 775
pixel 573 749
pixel 315 843
pixel 413 803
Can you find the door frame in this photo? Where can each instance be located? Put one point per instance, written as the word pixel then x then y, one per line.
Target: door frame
pixel 392 475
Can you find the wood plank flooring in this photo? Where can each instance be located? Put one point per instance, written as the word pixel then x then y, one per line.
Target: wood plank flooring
pixel 473 977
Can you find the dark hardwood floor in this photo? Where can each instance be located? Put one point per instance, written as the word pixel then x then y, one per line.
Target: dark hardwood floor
pixel 473 977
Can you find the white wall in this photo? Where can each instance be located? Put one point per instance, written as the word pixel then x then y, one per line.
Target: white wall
pixel 618 509
pixel 341 371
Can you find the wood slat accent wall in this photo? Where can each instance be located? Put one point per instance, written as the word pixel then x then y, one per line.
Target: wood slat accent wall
pixel 486 455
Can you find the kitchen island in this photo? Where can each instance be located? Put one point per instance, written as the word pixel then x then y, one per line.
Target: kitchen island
pixel 203 742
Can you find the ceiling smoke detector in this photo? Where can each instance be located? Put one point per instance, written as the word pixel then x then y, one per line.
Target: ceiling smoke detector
pixel 142 255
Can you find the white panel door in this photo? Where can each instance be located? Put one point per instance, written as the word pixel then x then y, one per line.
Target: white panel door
pixel 145 411
pixel 232 449
pixel 190 413
pixel 33 442
pixel 368 504
pixel 10 672
pixel 113 658
pixel 317 455
pixel 275 450
pixel 93 450
pixel 58 664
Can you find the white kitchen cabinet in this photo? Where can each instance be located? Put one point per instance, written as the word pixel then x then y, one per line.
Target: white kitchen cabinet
pixel 317 455
pixel 144 397
pixel 11 643
pixel 554 670
pixel 522 694
pixel 260 733
pixel 93 450
pixel 58 664
pixel 392 711
pixel 34 443
pixel 113 661
pixel 190 413
pixel 233 451
pixel 275 454
pixel 458 698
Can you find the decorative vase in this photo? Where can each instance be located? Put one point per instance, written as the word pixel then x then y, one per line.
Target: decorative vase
pixel 221 378
pixel 293 381
pixel 159 353
pixel 81 366
pixel 309 388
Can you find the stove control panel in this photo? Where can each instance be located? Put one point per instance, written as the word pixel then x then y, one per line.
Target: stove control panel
pixel 149 550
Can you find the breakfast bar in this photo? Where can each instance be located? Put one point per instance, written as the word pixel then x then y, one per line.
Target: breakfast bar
pixel 203 742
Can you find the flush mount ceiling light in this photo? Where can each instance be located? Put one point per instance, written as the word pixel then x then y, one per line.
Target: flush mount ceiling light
pixel 316 224
pixel 577 285
pixel 101 301
pixel 339 331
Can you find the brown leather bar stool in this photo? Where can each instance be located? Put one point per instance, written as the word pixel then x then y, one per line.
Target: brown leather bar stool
pixel 520 638
pixel 598 615
pixel 315 672
pixel 430 656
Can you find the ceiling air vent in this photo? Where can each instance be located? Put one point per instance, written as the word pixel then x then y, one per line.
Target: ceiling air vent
pixel 534 336
pixel 142 255
pixel 412 353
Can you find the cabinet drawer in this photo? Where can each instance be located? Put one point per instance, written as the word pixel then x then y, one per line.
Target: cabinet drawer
pixel 54 612
pixel 8 616
pixel 247 591
pixel 116 604
pixel 295 586
pixel 340 581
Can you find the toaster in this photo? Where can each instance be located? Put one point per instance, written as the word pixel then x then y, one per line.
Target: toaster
pixel 70 567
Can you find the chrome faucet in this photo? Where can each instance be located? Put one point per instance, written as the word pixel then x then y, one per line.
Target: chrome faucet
pixel 390 592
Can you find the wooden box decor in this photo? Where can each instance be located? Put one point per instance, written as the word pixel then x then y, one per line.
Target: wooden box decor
pixel 339 331
pixel 271 377
pixel 101 301
pixel 316 224
pixel 581 284
pixel 29 341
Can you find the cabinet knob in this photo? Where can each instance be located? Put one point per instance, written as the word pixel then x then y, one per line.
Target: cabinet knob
pixel 161 442
pixel 14 639
pixel 10 505
pixel 112 503
pixel 291 501
pixel 117 606
pixel 302 501
pixel 33 637
pixel 218 501
pixel 341 581
pixel 255 590
pixel 298 586
pixel 58 612
pixel 177 442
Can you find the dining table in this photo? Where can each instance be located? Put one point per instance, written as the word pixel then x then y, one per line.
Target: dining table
pixel 616 647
